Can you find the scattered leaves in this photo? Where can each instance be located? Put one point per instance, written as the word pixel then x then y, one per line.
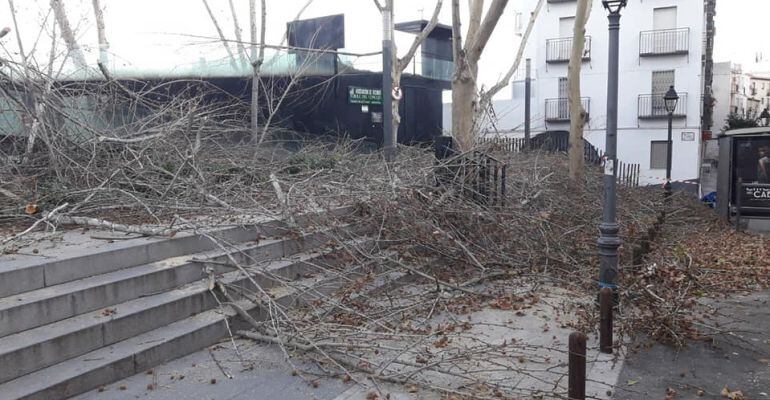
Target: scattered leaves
pixel 732 395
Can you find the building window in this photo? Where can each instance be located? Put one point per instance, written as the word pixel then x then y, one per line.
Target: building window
pixel 563 98
pixel 518 24
pixel 658 154
pixel 664 18
pixel 566 27
pixel 661 81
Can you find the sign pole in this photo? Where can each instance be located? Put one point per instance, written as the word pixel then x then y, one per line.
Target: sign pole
pixel 527 105
pixel 388 135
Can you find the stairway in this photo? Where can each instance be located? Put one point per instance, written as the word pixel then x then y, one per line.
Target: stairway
pixel 76 323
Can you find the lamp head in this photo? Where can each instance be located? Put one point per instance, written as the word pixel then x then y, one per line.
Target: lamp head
pixel 614 6
pixel 671 98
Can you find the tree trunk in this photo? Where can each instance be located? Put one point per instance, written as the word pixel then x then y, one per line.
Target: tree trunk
pixel 463 109
pixel 577 113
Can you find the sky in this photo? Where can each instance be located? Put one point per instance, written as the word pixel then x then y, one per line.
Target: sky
pixel 152 35
pixel 743 32
pixel 156 34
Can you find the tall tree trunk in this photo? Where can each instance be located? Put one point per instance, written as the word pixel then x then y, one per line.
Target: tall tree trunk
pixel 464 92
pixel 463 109
pixel 578 115
pixel 68 36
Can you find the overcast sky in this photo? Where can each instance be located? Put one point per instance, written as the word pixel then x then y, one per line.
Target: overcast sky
pixel 743 32
pixel 148 34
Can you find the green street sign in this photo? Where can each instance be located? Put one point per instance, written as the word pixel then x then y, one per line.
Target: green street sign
pixel 360 95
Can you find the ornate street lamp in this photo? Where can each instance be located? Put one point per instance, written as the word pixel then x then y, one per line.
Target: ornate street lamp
pixel 670 99
pixel 609 241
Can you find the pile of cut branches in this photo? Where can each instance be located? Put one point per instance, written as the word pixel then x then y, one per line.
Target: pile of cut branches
pixel 697 256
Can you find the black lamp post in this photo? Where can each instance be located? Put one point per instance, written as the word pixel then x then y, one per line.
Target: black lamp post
pixel 670 99
pixel 609 241
pixel 765 117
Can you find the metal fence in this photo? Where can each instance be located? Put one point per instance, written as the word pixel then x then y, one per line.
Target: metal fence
pixel 559 109
pixel 559 50
pixel 653 106
pixel 664 42
pixel 477 175
pixel 628 174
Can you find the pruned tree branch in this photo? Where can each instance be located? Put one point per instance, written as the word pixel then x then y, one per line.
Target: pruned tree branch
pixel 481 37
pixel 487 96
pixel 221 35
pixel 237 29
pixel 68 35
pixel 476 9
pixel 404 61
pixel 102 36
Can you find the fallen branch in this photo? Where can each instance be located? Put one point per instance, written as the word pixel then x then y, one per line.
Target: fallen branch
pixel 46 218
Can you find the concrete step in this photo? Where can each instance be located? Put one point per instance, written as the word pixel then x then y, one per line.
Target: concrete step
pixel 25 311
pixel 146 350
pixel 20 275
pixel 33 349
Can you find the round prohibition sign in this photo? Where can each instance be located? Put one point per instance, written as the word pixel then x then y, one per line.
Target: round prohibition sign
pixel 397 93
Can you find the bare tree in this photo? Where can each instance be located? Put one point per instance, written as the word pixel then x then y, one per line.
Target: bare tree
pixel 578 116
pixel 400 64
pixel 68 35
pixel 466 56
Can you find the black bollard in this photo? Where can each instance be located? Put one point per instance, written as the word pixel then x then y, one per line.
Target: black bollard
pixel 577 366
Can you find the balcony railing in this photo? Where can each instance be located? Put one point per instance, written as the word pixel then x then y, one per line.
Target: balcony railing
pixel 559 50
pixel 558 110
pixel 664 42
pixel 560 1
pixel 652 106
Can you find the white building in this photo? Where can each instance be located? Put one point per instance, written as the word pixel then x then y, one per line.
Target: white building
pixel 661 44
pixel 738 92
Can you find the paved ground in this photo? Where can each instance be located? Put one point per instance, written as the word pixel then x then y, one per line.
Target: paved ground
pixel 739 358
pixel 202 376
pixel 760 226
pixel 260 372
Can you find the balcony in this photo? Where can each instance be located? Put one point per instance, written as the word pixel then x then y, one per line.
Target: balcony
pixel 652 106
pixel 557 110
pixel 664 42
pixel 559 50
pixel 561 1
